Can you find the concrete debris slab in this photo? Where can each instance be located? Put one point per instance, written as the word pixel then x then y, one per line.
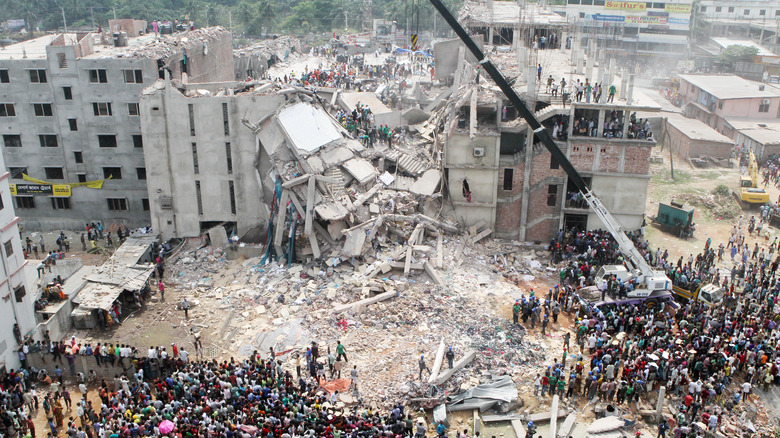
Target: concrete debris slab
pixel 319 131
pixel 360 169
pixel 482 397
pixel 386 178
pixel 427 184
pixel 606 424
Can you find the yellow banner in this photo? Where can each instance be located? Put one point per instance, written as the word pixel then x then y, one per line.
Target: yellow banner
pixel 61 190
pixel 96 184
pixel 625 6
pixel 685 9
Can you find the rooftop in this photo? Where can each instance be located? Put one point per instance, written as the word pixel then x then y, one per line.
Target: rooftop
pixel 695 129
pixel 763 131
pixel 731 86
pixel 144 46
pixel 724 42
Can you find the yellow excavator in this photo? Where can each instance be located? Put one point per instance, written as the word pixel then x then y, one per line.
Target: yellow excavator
pixel 750 194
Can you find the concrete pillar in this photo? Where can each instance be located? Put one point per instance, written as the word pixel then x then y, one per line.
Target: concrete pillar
pixel 600 127
pixel 574 55
pixel 522 58
pixel 612 66
pixel 490 35
pixel 570 128
pixel 516 39
pixel 524 201
pixel 554 417
pixel 659 405
pixel 531 81
pixel 626 121
pixel 623 83
pixel 590 60
pixel 630 92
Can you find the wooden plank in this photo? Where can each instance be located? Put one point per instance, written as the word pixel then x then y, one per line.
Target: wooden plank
pixel 439 251
pixel 310 193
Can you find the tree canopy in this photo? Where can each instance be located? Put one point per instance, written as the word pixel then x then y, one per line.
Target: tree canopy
pixel 735 53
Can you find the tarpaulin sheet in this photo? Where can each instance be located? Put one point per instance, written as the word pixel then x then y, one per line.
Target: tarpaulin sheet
pixel 340 385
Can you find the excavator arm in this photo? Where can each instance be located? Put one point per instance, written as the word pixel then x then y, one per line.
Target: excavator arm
pixel 634 258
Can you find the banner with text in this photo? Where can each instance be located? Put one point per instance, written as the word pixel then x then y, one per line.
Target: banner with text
pixel 683 9
pixel 57 190
pixel 625 6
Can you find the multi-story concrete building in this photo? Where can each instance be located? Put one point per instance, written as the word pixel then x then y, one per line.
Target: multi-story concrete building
pixel 69 114
pixel 754 19
pixel 16 306
pixel 620 28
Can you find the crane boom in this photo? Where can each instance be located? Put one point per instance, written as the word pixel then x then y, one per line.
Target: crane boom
pixel 653 280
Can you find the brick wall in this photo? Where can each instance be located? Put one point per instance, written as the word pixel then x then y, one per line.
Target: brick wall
pixel 509 205
pixel 582 156
pixel 542 231
pixel 609 158
pixel 637 160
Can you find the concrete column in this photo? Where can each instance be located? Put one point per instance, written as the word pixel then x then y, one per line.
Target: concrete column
pixel 659 405
pixel 600 128
pixel 570 128
pixel 590 60
pixel 515 39
pixel 522 58
pixel 490 35
pixel 524 201
pixel 531 81
pixel 612 66
pixel 630 92
pixel 626 121
pixel 623 83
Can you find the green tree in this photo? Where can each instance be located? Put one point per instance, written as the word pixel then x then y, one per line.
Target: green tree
pixel 736 53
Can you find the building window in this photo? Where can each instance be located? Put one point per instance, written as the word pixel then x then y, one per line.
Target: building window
pixel 62 60
pixel 232 190
pixel 553 162
pixel 552 195
pixel 133 109
pixel 42 109
pixel 112 172
pixel 762 12
pixel 7 110
pixel 198 198
pixel 229 156
pixel 17 172
pixel 2 206
pixel 98 76
pixel 19 294
pixel 191 110
pixel 102 108
pixel 145 204
pixel 731 8
pixel 138 141
pixel 12 140
pixel 718 9
pixel 140 172
pixel 703 9
pixel 134 76
pixel 746 12
pixel 38 76
pixel 117 204
pixel 73 124
pixel 777 13
pixel 720 104
pixel 195 166
pixel 107 140
pixel 24 201
pixel 508 176
pixel 225 118
pixel 68 92
pixel 4 79
pixel 764 107
pixel 9 248
pixel 54 173
pixel 78 156
pixel 60 203
pixel 82 177
pixel 48 140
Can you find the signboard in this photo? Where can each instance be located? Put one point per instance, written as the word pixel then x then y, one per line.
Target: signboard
pixel 683 9
pixel 414 41
pixel 679 21
pixel 625 6
pixel 613 18
pixel 644 19
pixel 56 190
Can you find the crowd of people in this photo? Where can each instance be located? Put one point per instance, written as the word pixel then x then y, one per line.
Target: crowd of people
pixel 709 359
pixel 167 393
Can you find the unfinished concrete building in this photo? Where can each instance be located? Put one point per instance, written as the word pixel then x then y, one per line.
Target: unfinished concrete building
pixel 70 115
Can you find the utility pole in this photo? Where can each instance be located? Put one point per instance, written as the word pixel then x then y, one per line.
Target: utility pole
pixel 64 23
pixel 114 13
pixel 92 14
pixel 230 19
